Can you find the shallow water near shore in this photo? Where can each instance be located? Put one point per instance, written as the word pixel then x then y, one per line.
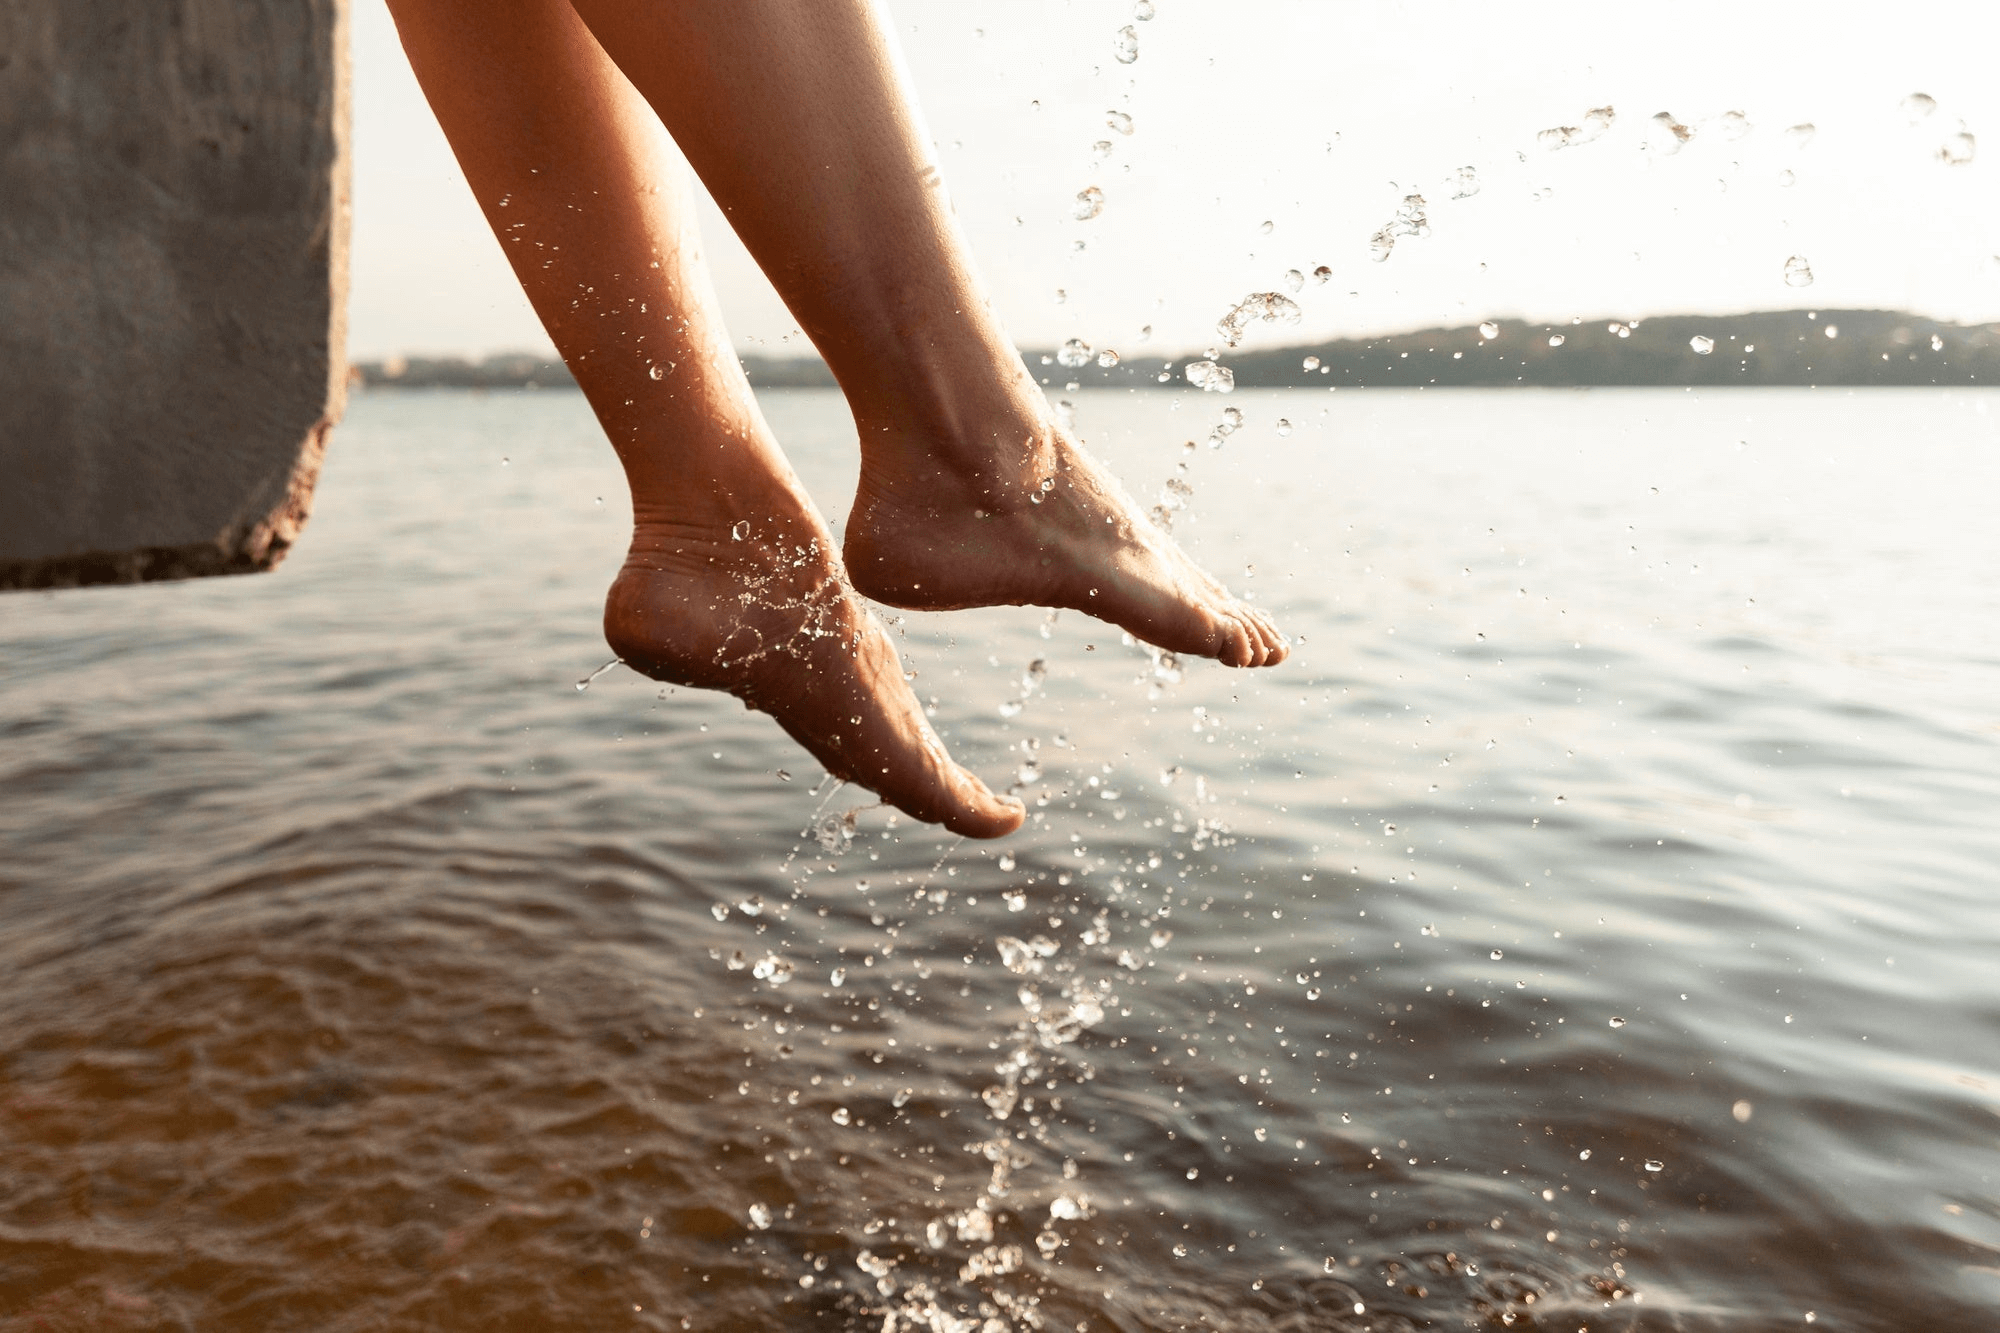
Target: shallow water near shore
pixel 1593 926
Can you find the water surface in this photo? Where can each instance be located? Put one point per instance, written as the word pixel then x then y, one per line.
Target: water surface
pixel 1591 927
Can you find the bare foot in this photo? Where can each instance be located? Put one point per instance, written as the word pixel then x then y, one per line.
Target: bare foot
pixel 1031 519
pixel 769 619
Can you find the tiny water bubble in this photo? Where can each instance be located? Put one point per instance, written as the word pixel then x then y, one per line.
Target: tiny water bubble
pixel 1006 862
pixel 1464 183
pixel 751 906
pixel 1119 121
pixel 1232 419
pixel 720 911
pixel 1798 273
pixel 1295 281
pixel 656 372
pixel 1311 363
pixel 1557 340
pixel 740 530
pixel 1284 426
pixel 1100 150
pixel 1732 125
pixel 1108 359
pixel 1919 106
pixel 1957 150
pixel 1488 331
pixel 1618 1022
pixel 1073 353
pixel 1801 134
pixel 1016 900
pixel 1089 203
pixel 842 1116
pixel 1655 1165
pixel 838 977
pixel 1496 955
pixel 1048 1242
pixel 1143 10
pixel 1702 346
pixel 760 1217
pixel 1125 46
pixel 1180 1250
pixel 1583 1156
pixel 1322 274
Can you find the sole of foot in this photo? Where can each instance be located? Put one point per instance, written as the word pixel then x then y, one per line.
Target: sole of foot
pixel 788 638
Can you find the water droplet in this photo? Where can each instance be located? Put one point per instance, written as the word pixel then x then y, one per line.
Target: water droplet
pixel 1269 307
pixel 1119 121
pixel 584 684
pixel 838 976
pixel 1937 345
pixel 1833 330
pixel 1618 1022
pixel 1919 106
pixel 1742 1111
pixel 1322 274
pixel 1089 203
pixel 1108 358
pixel 1654 1165
pixel 1556 340
pixel 760 1217
pixel 1381 245
pixel 1209 377
pixel 1180 1250
pixel 1496 955
pixel 1702 346
pixel 1074 353
pixel 1048 1242
pixel 1664 134
pixel 784 775
pixel 1558 136
pixel 1957 149
pixel 1001 1100
pixel 841 1115
pixel 504 461
pixel 1798 273
pixel 1464 183
pixel 1295 281
pixel 1801 134
pixel 1786 179
pixel 1489 331
pixel 740 530
pixel 1016 900
pixel 1311 363
pixel 1732 125
pixel 720 911
pixel 657 372
pixel 1125 45
pixel 1284 426
pixel 751 906
pixel 773 969
pixel 1142 10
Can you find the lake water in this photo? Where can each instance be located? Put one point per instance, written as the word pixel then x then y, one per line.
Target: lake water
pixel 1593 926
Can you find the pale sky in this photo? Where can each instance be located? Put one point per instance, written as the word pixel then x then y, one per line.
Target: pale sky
pixel 1319 117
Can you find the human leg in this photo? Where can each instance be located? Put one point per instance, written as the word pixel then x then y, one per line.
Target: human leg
pixel 799 120
pixel 732 581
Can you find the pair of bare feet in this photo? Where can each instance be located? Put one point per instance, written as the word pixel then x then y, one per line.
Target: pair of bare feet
pixel 758 602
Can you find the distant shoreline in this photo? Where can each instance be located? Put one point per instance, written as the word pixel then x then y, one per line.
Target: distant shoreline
pixel 1802 348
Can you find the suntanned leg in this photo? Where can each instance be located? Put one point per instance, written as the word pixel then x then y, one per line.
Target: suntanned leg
pixel 798 118
pixel 732 581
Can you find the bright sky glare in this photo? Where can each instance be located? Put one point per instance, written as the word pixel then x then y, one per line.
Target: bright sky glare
pixel 1319 119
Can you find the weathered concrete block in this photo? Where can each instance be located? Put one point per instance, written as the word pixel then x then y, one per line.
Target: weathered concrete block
pixel 173 242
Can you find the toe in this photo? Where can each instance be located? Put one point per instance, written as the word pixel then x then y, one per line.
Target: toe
pixel 979 813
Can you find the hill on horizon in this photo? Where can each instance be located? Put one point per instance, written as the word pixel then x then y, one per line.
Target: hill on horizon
pixel 1786 347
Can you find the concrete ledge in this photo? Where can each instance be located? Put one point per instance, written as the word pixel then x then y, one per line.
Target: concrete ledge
pixel 173 265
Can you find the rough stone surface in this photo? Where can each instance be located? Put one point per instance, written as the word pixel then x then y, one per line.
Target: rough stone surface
pixel 173 229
